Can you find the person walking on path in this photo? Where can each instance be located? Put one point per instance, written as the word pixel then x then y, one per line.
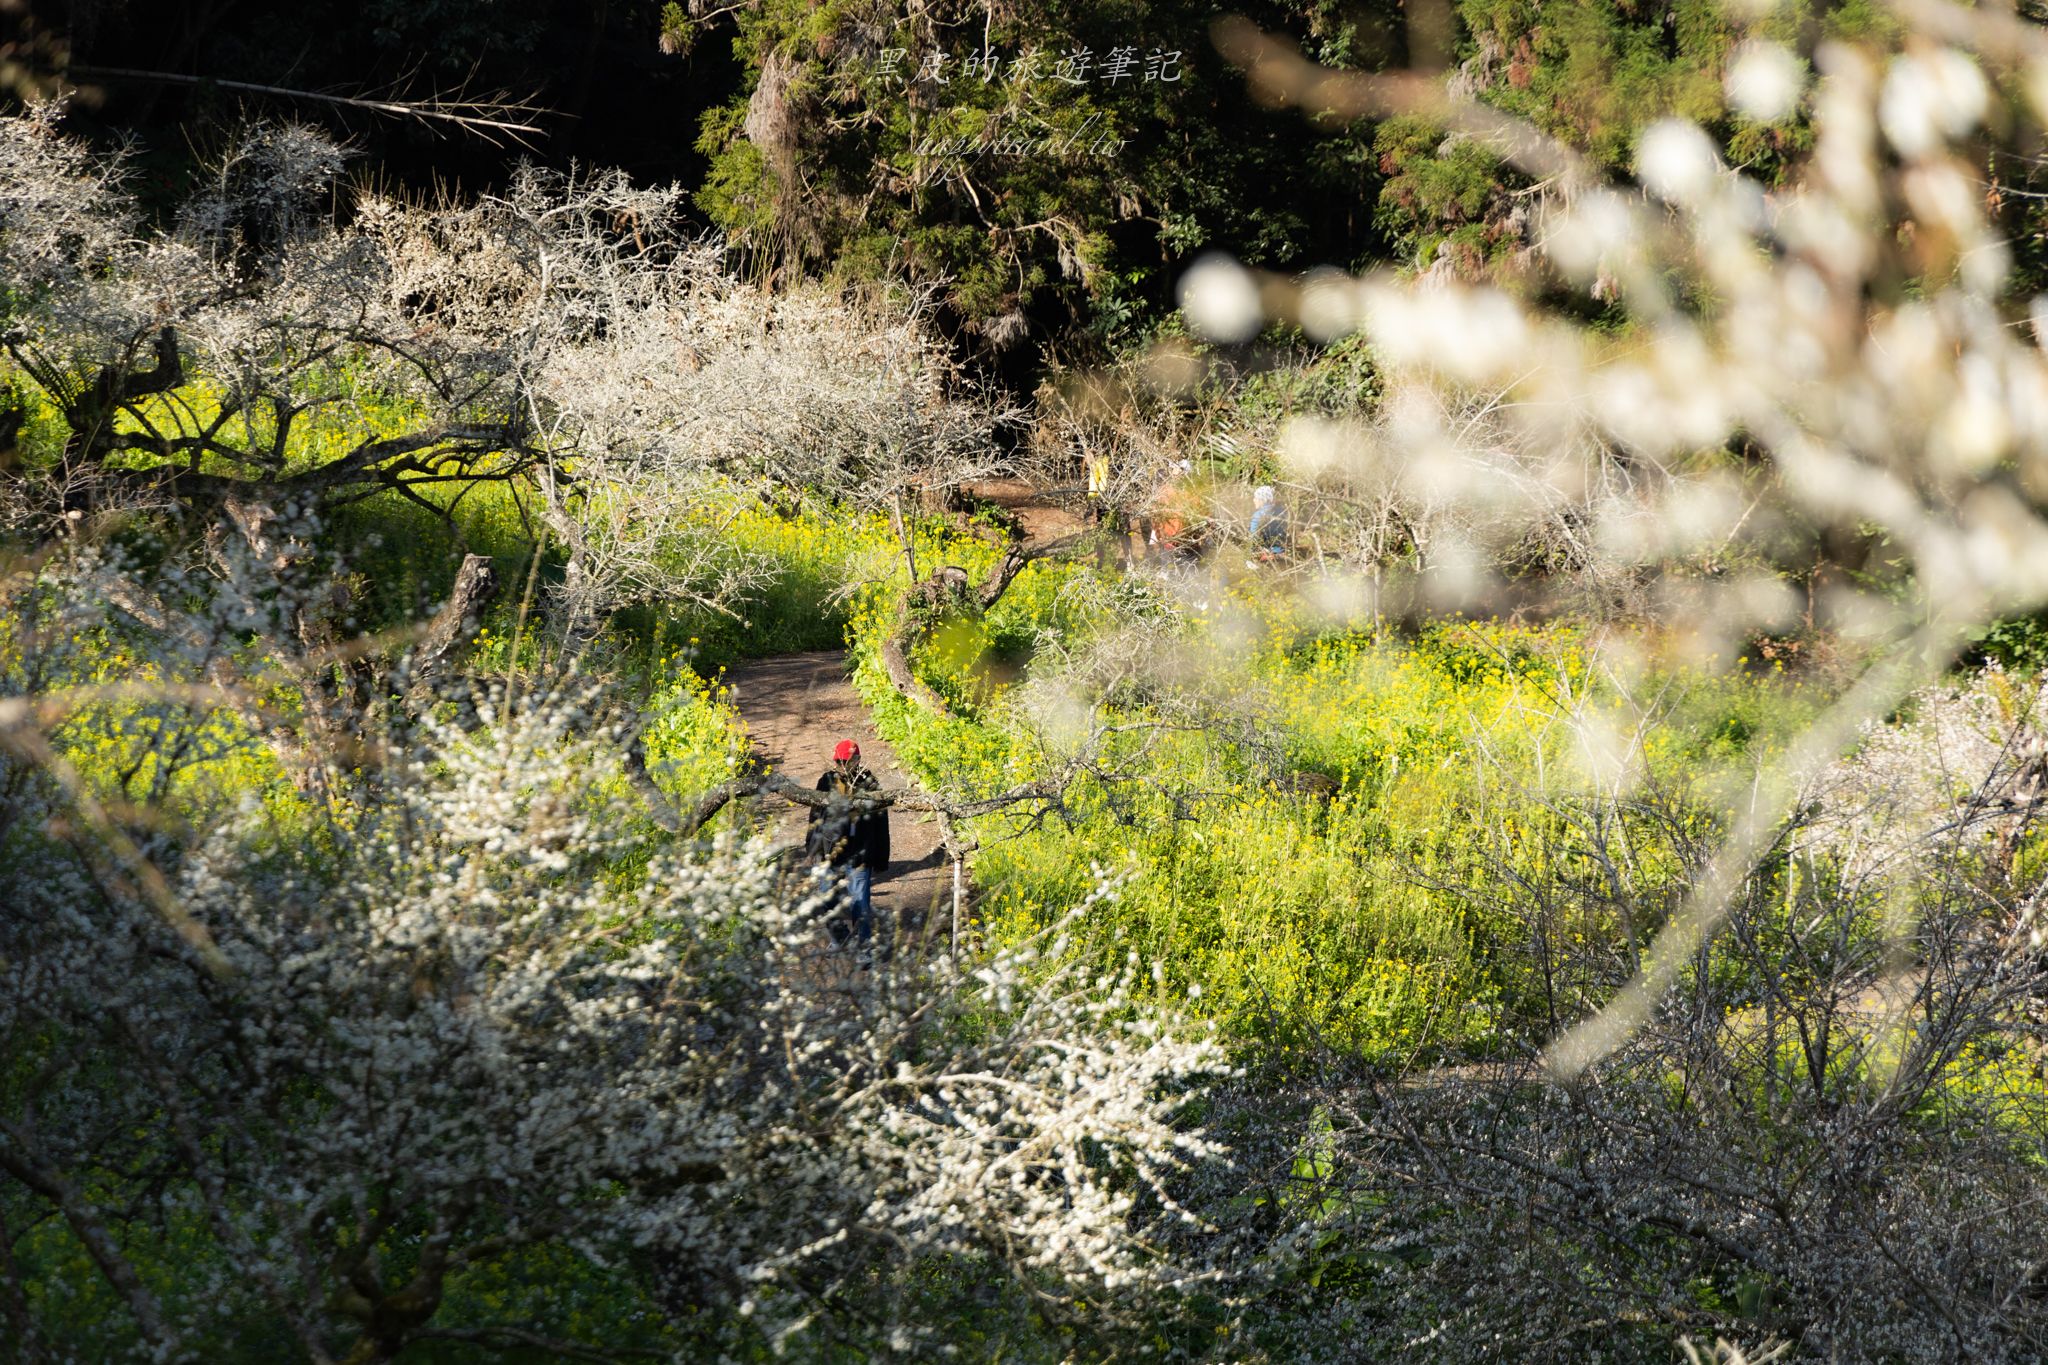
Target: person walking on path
pixel 851 836
pixel 1170 536
pixel 1096 462
pixel 1269 524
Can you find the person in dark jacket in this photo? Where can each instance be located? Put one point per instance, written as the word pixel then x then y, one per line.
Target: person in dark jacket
pixel 851 836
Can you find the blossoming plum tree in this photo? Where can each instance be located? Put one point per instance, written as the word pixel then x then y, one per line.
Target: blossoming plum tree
pixel 566 340
pixel 321 997
pixel 352 1048
pixel 1833 370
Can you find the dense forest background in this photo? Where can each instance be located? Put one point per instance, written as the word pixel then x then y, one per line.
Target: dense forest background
pixel 793 139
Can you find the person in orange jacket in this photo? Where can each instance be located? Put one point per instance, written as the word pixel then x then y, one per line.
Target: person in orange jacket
pixel 1169 536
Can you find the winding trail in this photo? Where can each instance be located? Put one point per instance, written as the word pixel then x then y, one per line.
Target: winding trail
pixel 1042 514
pixel 795 708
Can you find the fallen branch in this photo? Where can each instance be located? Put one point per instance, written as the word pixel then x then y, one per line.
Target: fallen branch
pixel 676 819
pixel 896 663
pixel 1005 571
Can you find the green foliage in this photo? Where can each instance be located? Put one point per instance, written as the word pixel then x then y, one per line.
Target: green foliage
pixel 41 437
pixel 1594 74
pixel 579 1297
pixel 1363 920
pixel 694 739
pixel 1027 192
pixel 1338 380
pixel 77 1309
pixel 2018 642
pixel 1595 71
pixel 1438 189
pixel 739 191
pixel 843 165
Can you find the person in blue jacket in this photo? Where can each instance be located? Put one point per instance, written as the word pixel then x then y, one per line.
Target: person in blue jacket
pixel 1269 523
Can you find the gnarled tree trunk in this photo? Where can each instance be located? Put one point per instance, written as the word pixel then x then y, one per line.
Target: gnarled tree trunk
pixel 476 583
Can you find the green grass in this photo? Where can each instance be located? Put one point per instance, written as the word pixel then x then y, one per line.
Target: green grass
pixel 1364 920
pixel 1371 920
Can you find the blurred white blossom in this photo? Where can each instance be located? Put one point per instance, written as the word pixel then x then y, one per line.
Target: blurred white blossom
pixel 1764 80
pixel 1221 299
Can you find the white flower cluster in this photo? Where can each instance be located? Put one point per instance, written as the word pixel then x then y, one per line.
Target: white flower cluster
pixel 642 349
pixel 1776 377
pixel 1962 767
pixel 480 1003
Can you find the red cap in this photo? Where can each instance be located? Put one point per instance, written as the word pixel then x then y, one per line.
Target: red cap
pixel 846 749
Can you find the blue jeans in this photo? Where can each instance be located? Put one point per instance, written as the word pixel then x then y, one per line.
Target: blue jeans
pixel 860 890
pixel 858 903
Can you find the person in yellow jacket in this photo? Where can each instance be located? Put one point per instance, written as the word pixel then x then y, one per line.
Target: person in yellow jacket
pixel 1098 484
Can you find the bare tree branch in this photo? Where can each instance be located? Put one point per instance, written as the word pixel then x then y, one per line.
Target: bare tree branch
pixel 486 119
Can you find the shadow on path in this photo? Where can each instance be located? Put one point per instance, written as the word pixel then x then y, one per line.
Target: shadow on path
pixel 796 707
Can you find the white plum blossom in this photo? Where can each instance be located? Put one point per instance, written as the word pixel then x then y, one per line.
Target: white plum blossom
pixel 1221 299
pixel 1677 162
pixel 1931 99
pixel 1764 80
pixel 476 997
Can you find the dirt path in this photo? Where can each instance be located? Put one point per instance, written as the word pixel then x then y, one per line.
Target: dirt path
pixel 796 707
pixel 1041 514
